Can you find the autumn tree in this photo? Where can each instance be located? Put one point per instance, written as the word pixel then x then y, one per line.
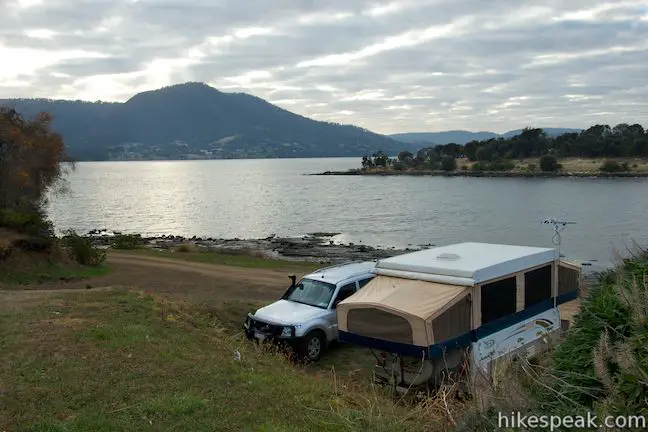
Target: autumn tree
pixel 32 162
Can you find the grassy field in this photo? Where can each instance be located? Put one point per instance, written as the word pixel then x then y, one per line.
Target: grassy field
pixel 51 272
pixel 114 360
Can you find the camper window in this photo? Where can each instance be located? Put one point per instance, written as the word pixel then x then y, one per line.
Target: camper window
pixel 452 323
pixel 498 299
pixel 378 324
pixel 568 280
pixel 537 286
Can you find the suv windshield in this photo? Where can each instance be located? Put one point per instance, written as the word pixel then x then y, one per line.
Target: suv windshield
pixel 311 292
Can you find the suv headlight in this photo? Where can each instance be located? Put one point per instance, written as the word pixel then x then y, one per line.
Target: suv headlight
pixel 288 331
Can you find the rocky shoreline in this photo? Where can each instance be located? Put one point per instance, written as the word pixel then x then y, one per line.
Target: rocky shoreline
pixel 317 247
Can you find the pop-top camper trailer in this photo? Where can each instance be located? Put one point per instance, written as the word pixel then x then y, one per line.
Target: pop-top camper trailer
pixel 435 309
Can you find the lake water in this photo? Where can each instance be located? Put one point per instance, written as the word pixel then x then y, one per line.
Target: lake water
pixel 257 198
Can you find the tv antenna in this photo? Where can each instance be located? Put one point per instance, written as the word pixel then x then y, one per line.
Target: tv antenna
pixel 558 227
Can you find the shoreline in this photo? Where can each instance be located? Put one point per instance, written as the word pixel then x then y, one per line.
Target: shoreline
pixel 508 174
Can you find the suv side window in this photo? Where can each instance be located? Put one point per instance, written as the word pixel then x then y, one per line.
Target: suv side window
pixel 345 292
pixel 363 282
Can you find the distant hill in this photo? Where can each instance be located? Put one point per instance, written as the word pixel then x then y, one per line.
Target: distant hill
pixel 195 121
pixel 462 136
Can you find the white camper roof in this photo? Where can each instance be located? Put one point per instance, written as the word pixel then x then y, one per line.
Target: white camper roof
pixel 464 263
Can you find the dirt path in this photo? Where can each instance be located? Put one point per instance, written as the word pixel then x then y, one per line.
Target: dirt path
pixel 183 279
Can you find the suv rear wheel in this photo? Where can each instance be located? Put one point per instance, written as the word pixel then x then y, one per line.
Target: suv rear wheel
pixel 313 346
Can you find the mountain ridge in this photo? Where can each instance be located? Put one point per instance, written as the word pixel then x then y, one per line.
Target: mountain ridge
pixel 460 136
pixel 195 121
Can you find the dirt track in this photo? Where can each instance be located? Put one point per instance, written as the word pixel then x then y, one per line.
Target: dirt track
pixel 183 279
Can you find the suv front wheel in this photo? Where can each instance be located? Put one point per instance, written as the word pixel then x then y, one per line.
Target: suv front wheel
pixel 313 346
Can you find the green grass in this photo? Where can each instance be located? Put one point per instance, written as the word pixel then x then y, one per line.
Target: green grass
pixel 116 361
pixel 51 273
pixel 246 261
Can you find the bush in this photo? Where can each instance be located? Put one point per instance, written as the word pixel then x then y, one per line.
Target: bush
pixel 82 250
pixel 464 167
pixel 549 163
pixel 501 166
pixel 610 166
pixel 184 248
pixel 603 362
pixel 531 167
pixel 448 163
pixel 399 166
pixel 35 224
pixel 480 166
pixel 125 241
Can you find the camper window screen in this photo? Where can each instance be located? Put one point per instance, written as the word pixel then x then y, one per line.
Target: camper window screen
pixel 537 286
pixel 498 299
pixel 378 324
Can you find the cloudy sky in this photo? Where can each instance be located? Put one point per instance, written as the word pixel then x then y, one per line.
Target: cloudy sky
pixel 390 66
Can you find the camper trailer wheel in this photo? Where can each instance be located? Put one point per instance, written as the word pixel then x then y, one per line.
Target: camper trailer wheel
pixel 313 345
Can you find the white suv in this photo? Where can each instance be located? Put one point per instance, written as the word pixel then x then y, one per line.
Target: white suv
pixel 305 316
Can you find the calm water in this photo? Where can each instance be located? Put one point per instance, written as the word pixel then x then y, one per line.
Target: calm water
pixel 257 198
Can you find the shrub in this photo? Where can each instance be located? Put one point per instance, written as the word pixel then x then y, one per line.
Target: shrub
pixel 549 163
pixel 125 241
pixel 448 163
pixel 184 248
pixel 479 166
pixel 464 167
pixel 531 167
pixel 399 166
pixel 35 223
pixel 501 166
pixel 611 166
pixel 82 250
pixel 603 362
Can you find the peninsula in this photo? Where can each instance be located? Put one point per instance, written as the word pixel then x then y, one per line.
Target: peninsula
pixel 601 151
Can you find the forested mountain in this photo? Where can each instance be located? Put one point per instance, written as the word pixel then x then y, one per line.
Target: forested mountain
pixel 195 121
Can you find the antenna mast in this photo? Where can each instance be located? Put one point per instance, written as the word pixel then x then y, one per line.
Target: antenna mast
pixel 558 227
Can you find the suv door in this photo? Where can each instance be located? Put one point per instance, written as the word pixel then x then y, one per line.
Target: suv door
pixel 344 292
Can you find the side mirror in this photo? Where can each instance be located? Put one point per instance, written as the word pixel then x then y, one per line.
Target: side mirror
pixel 293 278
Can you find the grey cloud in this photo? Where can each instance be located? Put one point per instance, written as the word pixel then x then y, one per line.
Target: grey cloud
pixel 496 68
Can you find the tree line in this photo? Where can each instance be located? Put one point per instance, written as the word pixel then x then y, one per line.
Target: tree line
pixel 599 141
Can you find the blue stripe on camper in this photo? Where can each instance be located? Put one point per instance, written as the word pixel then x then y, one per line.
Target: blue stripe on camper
pixel 379 344
pixel 462 341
